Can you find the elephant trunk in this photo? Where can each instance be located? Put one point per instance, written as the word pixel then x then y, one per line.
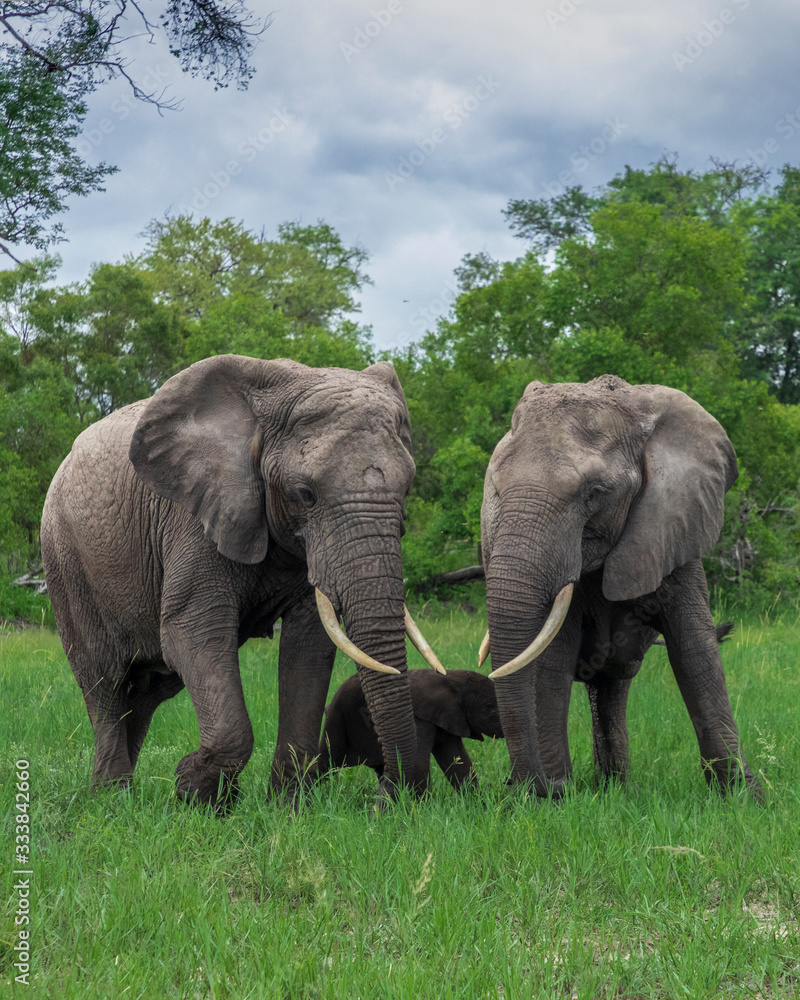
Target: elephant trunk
pixel 524 577
pixel 367 585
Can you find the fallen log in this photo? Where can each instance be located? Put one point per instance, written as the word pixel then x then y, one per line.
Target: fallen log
pixel 454 576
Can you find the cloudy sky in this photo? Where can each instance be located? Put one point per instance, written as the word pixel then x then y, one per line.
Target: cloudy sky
pixel 409 126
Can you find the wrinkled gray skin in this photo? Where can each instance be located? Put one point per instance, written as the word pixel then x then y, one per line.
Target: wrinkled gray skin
pixel 618 489
pixel 447 710
pixel 183 525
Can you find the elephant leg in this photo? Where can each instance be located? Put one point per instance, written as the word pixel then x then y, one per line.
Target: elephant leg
pixel 96 664
pixel 208 665
pixel 451 755
pixel 335 749
pixel 305 663
pixel 608 699
pixel 553 679
pixel 142 707
pixel 107 705
pixel 693 652
pixel 331 747
pixel 426 741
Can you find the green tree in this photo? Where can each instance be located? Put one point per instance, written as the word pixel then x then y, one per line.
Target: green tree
pixel 38 424
pixel 54 55
pixel 110 337
pixel 39 168
pixel 668 281
pixel 307 274
pixel 250 325
pixel 770 340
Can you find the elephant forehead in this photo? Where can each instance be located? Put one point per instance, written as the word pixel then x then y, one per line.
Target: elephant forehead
pixel 564 420
pixel 351 438
pixel 563 457
pixel 344 405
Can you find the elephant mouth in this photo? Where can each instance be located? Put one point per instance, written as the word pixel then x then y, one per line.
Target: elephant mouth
pixel 330 623
pixel 549 631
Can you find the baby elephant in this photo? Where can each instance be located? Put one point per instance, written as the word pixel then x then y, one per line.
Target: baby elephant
pixel 446 709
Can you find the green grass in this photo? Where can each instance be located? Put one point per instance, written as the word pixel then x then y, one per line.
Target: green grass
pixel 659 890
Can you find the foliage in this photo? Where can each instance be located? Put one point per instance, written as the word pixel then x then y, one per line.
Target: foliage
pixel 54 55
pixel 770 336
pixel 39 168
pixel 23 607
pixel 38 423
pixel 307 274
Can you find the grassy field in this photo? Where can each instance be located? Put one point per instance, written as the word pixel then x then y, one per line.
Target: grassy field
pixel 659 890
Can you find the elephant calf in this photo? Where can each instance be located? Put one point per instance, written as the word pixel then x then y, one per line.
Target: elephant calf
pixel 446 709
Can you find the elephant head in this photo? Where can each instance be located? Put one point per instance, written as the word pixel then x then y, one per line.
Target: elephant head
pixel 607 488
pixel 463 703
pixel 306 471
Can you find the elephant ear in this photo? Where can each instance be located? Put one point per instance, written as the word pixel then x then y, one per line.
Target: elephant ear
pixel 198 443
pixel 689 464
pixel 437 700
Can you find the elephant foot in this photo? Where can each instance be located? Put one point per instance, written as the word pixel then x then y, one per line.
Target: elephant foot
pixel 385 797
pixel 756 789
pixel 610 779
pixel 547 788
pixel 287 795
pixel 389 792
pixel 120 782
pixel 729 777
pixel 200 781
pixel 551 789
pixel 290 777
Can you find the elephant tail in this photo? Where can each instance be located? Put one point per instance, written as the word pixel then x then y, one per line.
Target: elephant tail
pixel 724 631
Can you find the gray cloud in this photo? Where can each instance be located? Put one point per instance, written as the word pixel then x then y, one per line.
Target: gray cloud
pixel 571 92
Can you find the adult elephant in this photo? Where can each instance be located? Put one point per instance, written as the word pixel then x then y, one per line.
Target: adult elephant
pixel 597 507
pixel 183 525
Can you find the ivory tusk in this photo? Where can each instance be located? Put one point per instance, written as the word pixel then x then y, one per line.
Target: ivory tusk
pixel 331 625
pixel 421 643
pixel 543 639
pixel 483 652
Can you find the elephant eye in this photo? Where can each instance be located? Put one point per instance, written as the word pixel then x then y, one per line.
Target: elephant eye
pixel 595 493
pixel 307 496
